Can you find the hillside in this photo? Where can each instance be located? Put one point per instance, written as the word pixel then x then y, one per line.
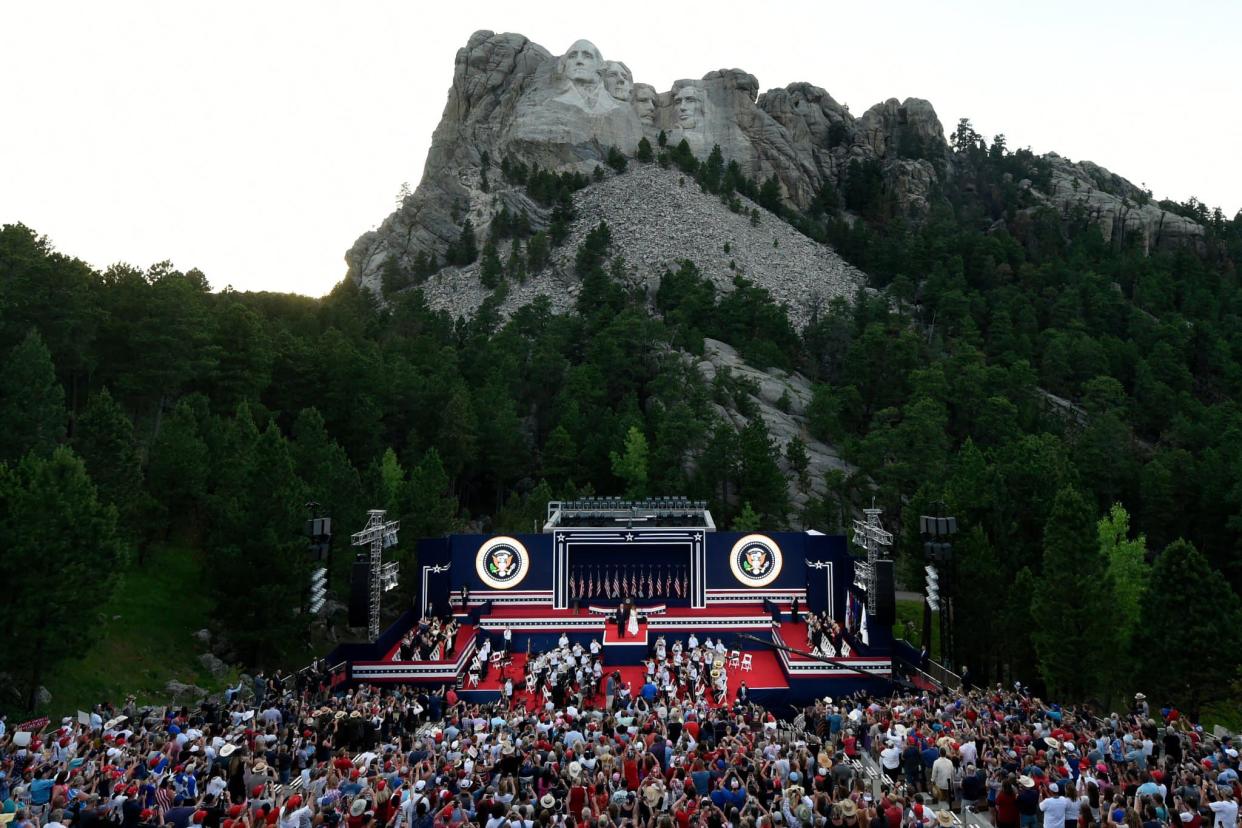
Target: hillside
pixel 657 219
pixel 1034 345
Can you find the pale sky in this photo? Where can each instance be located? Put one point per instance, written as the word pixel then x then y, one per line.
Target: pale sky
pixel 257 140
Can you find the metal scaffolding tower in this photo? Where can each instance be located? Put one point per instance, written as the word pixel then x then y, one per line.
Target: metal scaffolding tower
pixel 872 538
pixel 379 534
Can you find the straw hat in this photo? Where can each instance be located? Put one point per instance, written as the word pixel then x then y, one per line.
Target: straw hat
pixel 945 818
pixel 849 808
pixel 358 807
pixel 548 802
pixel 227 750
pixel 1052 743
pixel 1026 781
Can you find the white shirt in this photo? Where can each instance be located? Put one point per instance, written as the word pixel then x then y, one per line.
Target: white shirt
pixel 1226 812
pixel 1054 811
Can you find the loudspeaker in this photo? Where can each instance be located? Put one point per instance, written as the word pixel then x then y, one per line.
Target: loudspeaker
pixel 359 594
pixel 885 594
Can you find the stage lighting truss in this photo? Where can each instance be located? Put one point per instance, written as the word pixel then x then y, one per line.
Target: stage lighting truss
pixel 874 541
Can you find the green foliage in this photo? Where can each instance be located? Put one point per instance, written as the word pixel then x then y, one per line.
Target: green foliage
pixel 32 403
pixel 1128 570
pixel 617 161
pixel 491 272
pixel 465 249
pixel 1074 637
pixel 644 152
pixel 747 520
pixel 104 439
pixel 631 464
pixel 1184 650
pixel 53 525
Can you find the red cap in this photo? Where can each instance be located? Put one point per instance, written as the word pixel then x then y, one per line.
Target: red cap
pixel 236 810
pixel 256 791
pixel 295 801
pixel 146 814
pixel 199 816
pixel 355 773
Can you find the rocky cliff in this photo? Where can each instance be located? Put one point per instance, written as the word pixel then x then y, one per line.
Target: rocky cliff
pixel 513 99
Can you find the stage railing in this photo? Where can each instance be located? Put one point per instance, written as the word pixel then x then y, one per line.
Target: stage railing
pixel 910 657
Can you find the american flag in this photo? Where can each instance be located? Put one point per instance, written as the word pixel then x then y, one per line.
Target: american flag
pixel 163 800
pixel 616 583
pixel 668 582
pixel 591 583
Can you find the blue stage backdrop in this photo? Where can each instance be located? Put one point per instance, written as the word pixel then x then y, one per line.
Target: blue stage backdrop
pixel 718 566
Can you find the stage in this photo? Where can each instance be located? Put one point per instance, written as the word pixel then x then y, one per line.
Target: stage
pixel 741 589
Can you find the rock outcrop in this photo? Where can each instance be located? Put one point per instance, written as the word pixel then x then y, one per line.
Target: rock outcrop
pixel 1120 209
pixel 781 399
pixel 513 99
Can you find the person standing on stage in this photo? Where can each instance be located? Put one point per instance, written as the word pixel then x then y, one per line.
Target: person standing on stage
pixel 621 621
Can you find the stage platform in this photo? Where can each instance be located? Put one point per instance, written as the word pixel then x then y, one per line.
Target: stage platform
pixel 785 671
pixel 765 680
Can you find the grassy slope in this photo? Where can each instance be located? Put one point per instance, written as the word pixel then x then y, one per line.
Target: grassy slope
pixel 146 637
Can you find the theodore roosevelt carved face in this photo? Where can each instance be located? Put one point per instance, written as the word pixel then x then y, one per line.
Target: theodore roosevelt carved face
pixel 644 102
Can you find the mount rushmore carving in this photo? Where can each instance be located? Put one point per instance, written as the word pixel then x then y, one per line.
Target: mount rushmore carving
pixel 512 99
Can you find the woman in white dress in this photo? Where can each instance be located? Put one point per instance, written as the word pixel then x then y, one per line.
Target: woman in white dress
pixel 632 629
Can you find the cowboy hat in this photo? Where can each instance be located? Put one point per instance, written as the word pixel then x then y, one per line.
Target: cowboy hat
pixel 575 769
pixel 945 818
pixel 1051 742
pixel 548 802
pixel 114 721
pixel 1026 781
pixel 849 808
pixel 227 750
pixel 260 766
pixel 358 807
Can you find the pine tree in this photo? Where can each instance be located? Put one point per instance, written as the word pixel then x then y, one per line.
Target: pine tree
pixel 760 480
pixel 631 464
pixel 1182 649
pixel 261 570
pixel 32 402
pixel 559 458
pixel 1126 560
pixel 747 520
pixel 799 461
pixel 179 464
pixel 104 439
pixel 491 273
pixel 60 561
pixel 616 160
pixel 644 152
pixel 1074 637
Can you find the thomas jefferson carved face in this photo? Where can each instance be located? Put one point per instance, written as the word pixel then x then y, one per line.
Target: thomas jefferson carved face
pixel 689 103
pixel 644 102
pixel 582 63
pixel 618 80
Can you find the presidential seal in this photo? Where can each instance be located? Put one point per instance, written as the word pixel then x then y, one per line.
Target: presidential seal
pixel 755 560
pixel 502 562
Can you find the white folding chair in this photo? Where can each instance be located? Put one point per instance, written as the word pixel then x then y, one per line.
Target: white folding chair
pixel 734 657
pixel 747 664
pixel 474 679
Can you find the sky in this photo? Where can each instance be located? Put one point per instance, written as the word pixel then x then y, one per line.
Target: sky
pixel 256 141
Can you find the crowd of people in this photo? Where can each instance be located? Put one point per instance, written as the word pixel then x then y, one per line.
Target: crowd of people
pixel 431 639
pixel 297 754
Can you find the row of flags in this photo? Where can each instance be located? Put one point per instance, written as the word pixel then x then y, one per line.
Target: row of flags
pixel 635 581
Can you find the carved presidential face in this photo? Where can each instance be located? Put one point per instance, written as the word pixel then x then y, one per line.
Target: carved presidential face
pixel 618 80
pixel 644 101
pixel 582 63
pixel 688 102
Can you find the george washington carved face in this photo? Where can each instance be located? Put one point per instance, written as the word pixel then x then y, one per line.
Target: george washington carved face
pixel 581 63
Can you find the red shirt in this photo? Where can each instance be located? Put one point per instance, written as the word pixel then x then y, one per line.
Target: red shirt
pixel 577 800
pixel 1006 808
